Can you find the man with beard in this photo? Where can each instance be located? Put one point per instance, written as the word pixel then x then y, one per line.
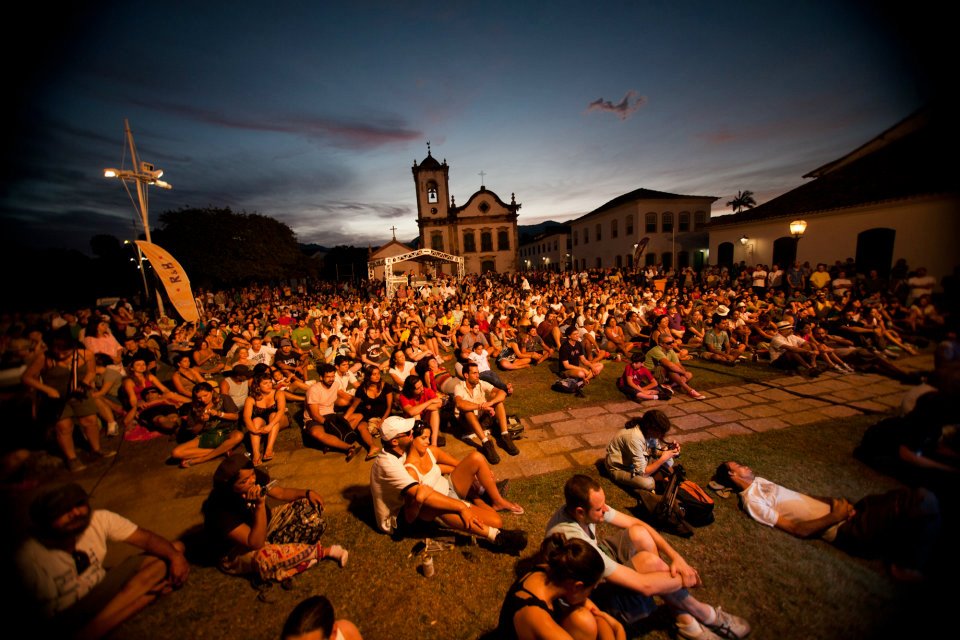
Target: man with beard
pixel 62 565
pixel 320 420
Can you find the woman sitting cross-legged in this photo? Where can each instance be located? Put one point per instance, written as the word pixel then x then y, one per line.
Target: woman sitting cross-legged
pixel 211 427
pixel 275 543
pixel 552 600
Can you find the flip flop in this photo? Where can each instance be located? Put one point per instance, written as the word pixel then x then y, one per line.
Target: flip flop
pixel 351 453
pixel 371 455
pixel 515 510
pixel 267 458
pixel 185 464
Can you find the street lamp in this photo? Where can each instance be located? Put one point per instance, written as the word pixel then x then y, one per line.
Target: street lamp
pixel 744 239
pixel 797 227
pixel 142 175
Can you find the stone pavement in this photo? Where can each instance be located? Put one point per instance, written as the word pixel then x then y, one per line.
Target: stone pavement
pixel 168 500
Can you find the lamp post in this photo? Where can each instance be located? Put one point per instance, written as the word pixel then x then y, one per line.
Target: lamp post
pixel 797 227
pixel 142 175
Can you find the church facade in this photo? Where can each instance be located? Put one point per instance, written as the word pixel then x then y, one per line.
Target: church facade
pixel 483 231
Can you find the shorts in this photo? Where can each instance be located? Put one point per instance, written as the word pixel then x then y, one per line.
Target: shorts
pixel 87 608
pixel 78 408
pixel 213 438
pixel 337 426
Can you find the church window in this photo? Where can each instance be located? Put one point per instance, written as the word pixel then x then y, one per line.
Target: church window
pixel 484 207
pixel 684 224
pixel 486 241
pixel 613 230
pixel 432 196
pixel 503 240
pixel 667 225
pixel 469 242
pixel 651 224
pixel 436 241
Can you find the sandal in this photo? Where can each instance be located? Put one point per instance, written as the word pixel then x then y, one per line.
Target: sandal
pixel 516 510
pixel 186 464
pixel 267 457
pixel 373 453
pixel 351 453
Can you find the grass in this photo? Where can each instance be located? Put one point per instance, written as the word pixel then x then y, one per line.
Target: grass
pixel 787 588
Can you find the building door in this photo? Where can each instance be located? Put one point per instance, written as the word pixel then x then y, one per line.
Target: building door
pixel 725 254
pixel 488 265
pixel 784 251
pixel 875 250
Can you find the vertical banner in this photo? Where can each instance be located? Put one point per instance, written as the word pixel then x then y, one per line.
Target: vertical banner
pixel 174 280
pixel 638 251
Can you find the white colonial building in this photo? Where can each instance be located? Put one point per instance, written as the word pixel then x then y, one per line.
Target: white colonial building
pixel 670 227
pixel 894 197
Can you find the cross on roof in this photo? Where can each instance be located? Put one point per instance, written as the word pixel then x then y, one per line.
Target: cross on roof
pixel 394 230
pixel 482 174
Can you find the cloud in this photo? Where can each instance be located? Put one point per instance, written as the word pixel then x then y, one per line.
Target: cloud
pixel 341 133
pixel 630 104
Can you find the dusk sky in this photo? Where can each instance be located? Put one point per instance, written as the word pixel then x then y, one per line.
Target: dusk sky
pixel 314 112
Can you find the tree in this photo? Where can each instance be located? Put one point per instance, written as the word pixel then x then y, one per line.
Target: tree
pixel 218 247
pixel 744 200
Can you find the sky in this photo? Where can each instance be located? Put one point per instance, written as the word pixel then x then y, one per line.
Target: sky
pixel 314 112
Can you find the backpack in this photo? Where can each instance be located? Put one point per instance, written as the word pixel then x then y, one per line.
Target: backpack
pixel 697 504
pixel 569 385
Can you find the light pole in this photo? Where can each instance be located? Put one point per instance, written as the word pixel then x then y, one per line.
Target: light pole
pixel 797 227
pixel 142 175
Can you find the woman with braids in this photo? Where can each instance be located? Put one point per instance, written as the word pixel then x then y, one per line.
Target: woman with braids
pixel 566 570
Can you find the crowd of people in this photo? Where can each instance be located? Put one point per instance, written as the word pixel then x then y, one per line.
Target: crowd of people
pixel 355 372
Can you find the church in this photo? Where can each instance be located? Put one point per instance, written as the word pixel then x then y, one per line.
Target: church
pixel 483 231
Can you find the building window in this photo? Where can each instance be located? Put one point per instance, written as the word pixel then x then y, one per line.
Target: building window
pixel 699 219
pixel 666 226
pixel 599 262
pixel 619 261
pixel 683 259
pixel 599 232
pixel 630 260
pixel 486 241
pixel 651 222
pixel 586 235
pixel 651 259
pixel 684 224
pixel 613 230
pixel 628 226
pixel 436 241
pixel 469 242
pixel 503 240
pixel 576 238
pixel 667 260
pixel 556 244
pixel 432 192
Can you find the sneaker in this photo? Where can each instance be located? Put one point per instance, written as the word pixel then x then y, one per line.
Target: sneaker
pixel 728 625
pixel 74 464
pixel 506 443
pixel 489 452
pixel 113 430
pixel 703 633
pixel 511 541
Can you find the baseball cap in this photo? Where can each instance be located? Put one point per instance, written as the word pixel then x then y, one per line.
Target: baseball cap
pixel 395 426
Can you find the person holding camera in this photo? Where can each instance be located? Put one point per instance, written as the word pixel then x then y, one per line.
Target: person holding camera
pixel 638 452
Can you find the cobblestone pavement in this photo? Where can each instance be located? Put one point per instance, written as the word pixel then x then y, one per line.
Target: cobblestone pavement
pixel 167 499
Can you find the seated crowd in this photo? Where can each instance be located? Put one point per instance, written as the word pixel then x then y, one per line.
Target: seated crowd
pixel 357 372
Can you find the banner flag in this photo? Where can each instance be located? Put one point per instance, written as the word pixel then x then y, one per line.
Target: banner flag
pixel 174 280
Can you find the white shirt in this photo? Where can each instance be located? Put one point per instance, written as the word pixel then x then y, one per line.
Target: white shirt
pixel 50 575
pixel 264 355
pixel 767 501
pixel 478 395
pixel 388 479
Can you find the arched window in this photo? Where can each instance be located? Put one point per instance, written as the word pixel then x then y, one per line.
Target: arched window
pixel 651 224
pixel 613 230
pixel 436 241
pixel 432 196
pixel 667 225
pixel 651 259
pixel 619 261
pixel 628 226
pixel 586 235
pixel 683 259
pixel 684 224
pixel 699 219
pixel 667 260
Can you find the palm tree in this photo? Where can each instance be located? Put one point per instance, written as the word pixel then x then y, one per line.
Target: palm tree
pixel 744 200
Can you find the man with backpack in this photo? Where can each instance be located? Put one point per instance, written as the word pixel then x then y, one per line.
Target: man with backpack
pixel 638 564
